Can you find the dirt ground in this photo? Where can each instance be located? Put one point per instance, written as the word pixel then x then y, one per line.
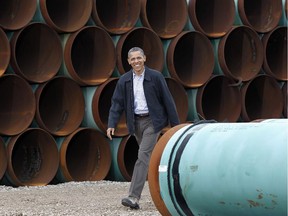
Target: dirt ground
pixel 73 198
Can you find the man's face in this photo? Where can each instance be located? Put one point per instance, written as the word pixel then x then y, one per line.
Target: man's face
pixel 136 60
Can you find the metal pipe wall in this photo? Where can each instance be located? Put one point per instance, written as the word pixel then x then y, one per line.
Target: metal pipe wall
pixel 222 59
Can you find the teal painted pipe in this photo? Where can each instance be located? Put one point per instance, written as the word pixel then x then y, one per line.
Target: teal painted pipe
pixel 192 110
pixel 226 169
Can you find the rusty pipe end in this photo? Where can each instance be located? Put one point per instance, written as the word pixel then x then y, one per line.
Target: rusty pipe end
pixel 45 52
pixel 85 156
pixel 60 106
pixel 84 56
pixel 5 52
pixel 18 104
pixel 32 158
pixel 66 16
pixel 161 16
pixel 116 18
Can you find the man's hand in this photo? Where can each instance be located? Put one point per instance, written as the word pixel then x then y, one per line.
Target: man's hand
pixel 110 131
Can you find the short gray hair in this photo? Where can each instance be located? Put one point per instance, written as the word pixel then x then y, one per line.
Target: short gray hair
pixel 135 49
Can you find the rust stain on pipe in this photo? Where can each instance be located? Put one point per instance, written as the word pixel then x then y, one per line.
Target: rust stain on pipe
pixel 153 174
pixel 116 17
pixel 45 52
pixel 190 58
pixel 18 105
pixel 161 16
pixel 85 156
pixel 214 18
pixel 5 52
pixel 145 38
pixel 240 53
pixel 32 158
pixel 66 15
pixel 261 99
pixel 261 15
pixel 60 106
pixel 16 14
pixel 275 53
pixel 217 100
pixel 90 56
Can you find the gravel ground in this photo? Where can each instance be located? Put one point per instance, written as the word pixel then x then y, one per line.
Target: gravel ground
pixel 73 198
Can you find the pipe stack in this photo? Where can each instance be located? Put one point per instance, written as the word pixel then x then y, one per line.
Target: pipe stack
pixel 60 61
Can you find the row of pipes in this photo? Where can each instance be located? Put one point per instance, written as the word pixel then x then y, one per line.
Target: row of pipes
pixel 60 61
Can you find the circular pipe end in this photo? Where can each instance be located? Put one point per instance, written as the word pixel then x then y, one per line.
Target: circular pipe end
pixel 32 158
pixel 85 156
pixel 84 58
pixel 145 38
pixel 60 106
pixel 5 52
pixel 45 52
pixel 18 105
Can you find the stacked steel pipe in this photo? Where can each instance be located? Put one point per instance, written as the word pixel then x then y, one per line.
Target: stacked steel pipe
pixel 60 61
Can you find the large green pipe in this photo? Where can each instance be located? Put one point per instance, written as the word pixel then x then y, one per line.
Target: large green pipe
pixel 84 155
pixel 226 169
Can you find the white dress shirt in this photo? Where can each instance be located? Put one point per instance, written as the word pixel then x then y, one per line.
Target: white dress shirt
pixel 140 104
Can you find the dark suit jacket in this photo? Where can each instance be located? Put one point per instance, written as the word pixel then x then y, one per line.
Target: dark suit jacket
pixel 162 109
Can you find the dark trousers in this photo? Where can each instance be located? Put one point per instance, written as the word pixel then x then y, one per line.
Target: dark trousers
pixel 146 138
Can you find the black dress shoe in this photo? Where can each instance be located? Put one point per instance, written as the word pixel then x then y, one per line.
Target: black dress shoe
pixel 130 202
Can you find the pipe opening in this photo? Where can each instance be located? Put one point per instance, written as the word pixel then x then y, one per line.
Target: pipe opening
pixel 101 107
pixel 18 105
pixel 85 156
pixel 275 50
pixel 60 106
pixel 16 14
pixel 241 53
pixel 218 100
pixel 90 56
pixel 5 52
pixel 32 158
pixel 161 16
pixel 116 18
pixel 45 53
pixel 261 99
pixel 262 16
pixel 127 156
pixel 66 15
pixel 213 18
pixel 145 38
pixel 190 58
